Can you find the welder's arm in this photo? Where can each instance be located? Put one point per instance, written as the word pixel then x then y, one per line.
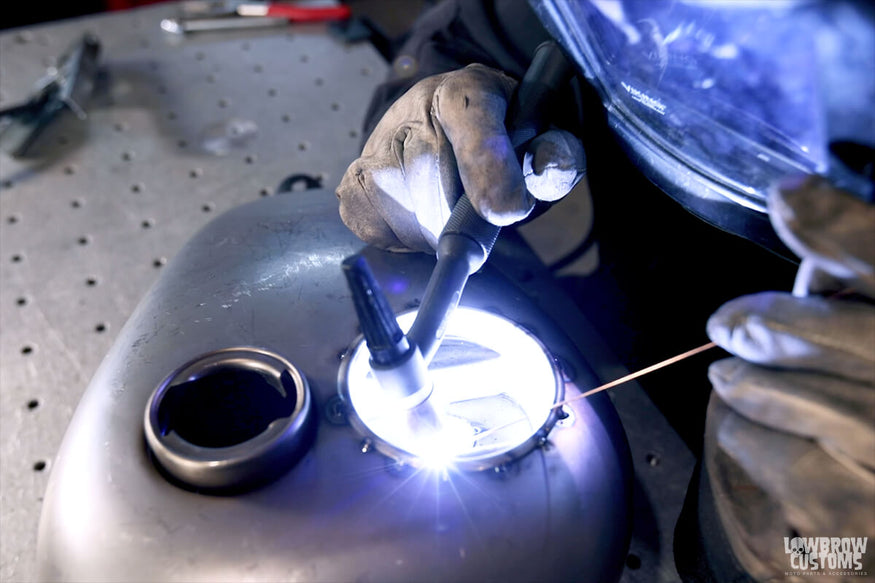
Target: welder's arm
pixel 446 136
pixel 452 34
pixel 790 436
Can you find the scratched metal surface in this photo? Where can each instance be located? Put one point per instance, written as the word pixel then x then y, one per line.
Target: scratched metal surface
pixel 180 129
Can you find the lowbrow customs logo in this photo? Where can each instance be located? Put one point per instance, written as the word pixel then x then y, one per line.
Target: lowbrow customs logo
pixel 826 555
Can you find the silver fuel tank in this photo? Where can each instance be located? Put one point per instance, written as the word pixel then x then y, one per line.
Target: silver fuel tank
pixel 220 440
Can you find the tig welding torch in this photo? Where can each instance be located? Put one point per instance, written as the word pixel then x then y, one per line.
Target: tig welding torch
pixel 400 362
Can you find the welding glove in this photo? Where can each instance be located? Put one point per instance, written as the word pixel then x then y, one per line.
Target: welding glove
pixel 446 136
pixel 790 433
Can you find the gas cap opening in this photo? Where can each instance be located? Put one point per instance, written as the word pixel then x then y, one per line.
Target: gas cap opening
pixel 226 406
pixel 229 420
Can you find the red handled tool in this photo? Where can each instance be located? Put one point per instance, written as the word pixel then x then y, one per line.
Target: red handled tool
pixel 294 12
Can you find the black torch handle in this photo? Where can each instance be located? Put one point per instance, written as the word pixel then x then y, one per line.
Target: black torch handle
pixel 467 239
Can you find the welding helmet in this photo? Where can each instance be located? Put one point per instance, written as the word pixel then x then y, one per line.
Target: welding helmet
pixel 716 100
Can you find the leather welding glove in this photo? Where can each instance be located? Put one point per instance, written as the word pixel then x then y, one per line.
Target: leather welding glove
pixel 790 433
pixel 446 136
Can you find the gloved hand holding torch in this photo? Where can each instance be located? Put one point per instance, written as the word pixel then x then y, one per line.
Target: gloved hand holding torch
pixel 446 136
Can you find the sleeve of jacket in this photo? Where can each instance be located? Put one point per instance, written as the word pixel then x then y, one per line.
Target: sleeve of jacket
pixel 452 34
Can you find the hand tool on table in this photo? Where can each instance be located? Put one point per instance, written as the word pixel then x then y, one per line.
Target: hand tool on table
pixel 206 15
pixel 293 12
pixel 186 25
pixel 65 86
pixel 401 362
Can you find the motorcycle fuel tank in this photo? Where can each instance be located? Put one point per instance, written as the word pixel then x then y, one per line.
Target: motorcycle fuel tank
pixel 232 432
